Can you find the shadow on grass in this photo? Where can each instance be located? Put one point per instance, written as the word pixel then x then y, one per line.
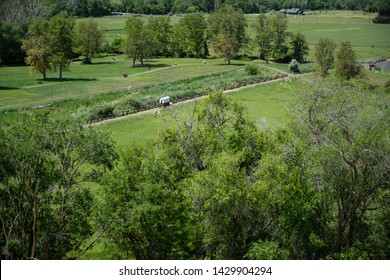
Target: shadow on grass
pixel 149 64
pixel 100 63
pixel 8 88
pixel 67 80
pixel 231 64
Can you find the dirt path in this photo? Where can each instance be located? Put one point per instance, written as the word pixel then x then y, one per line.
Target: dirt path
pixel 157 110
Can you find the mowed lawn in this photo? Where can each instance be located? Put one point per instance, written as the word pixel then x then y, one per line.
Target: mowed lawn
pixel 266 105
pixel 18 88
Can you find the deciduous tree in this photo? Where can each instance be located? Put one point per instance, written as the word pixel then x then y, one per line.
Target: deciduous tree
pixel 299 48
pixel 194 28
pixel 324 55
pixel 227 31
pixel 280 36
pixel 346 66
pixel 37 45
pixel 89 39
pixel 162 31
pixel 264 35
pixel 139 42
pixel 45 208
pixel 62 41
pixel 346 131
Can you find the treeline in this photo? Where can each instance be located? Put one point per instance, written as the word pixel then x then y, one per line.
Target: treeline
pixel 19 11
pixel 17 15
pixel 51 44
pixel 248 6
pixel 22 10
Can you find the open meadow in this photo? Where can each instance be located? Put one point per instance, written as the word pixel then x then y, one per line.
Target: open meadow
pixel 20 89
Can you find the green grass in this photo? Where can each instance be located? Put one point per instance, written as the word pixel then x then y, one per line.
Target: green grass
pixel 266 104
pixel 19 89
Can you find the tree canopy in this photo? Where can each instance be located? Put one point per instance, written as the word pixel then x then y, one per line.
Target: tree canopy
pixel 45 208
pixel 139 42
pixel 215 186
pixel 89 39
pixel 227 31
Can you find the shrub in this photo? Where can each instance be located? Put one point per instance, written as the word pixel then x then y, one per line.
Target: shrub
pixel 294 66
pixel 252 69
pixel 103 110
pixel 387 85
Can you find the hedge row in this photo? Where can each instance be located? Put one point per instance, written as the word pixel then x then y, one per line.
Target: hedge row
pixel 129 105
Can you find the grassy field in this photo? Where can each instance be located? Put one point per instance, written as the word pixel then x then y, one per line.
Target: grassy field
pixel 19 89
pixel 266 104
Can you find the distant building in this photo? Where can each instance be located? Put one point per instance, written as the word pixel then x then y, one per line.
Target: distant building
pixel 293 11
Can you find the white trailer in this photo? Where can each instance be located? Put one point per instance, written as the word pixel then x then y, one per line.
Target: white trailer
pixel 164 101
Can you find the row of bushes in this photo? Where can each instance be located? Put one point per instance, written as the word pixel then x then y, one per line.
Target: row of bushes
pixel 147 98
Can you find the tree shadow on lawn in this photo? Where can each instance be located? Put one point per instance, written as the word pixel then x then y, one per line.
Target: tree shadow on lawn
pixel 153 66
pixel 100 63
pixel 231 64
pixel 67 80
pixel 8 88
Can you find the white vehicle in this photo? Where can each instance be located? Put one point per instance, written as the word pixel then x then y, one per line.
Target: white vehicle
pixel 164 101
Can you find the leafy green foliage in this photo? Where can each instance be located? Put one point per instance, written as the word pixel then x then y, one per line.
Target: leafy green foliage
pixel 383 16
pixel 62 41
pixel 11 37
pixel 46 210
pixel 139 42
pixel 267 250
pixel 89 39
pixel 299 47
pixel 346 66
pixel 162 32
pixel 324 55
pixel 347 132
pixel 227 31
pixel 190 37
pixel 264 35
pixel 37 46
pixel 252 69
pixel 294 66
pixel 280 36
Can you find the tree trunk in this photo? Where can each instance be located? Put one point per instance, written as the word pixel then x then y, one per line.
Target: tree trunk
pixel 60 71
pixel 134 62
pixel 34 232
pixel 44 73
